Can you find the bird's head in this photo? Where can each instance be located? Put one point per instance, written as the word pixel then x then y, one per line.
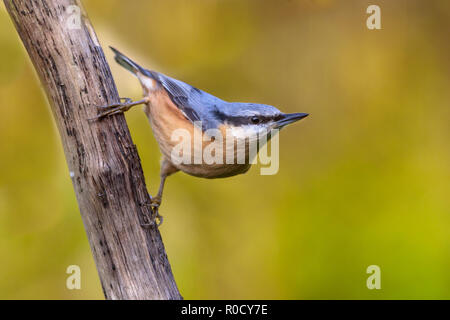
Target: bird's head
pixel 254 118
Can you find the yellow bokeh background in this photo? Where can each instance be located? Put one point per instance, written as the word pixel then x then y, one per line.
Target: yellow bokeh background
pixel 365 180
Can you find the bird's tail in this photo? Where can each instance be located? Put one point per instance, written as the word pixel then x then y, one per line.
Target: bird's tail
pixel 129 64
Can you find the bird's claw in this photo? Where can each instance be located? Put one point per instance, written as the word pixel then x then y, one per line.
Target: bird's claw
pixel 154 204
pixel 120 107
pixel 158 218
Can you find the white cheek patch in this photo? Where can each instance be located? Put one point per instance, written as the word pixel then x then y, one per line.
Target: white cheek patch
pixel 246 131
pixel 241 132
pixel 147 82
pixel 246 138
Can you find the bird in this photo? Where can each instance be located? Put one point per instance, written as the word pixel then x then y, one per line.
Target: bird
pixel 171 105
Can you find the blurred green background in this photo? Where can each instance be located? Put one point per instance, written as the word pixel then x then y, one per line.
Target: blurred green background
pixel 364 180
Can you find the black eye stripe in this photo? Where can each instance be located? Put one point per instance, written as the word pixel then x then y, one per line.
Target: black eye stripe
pixel 243 120
pixel 278 117
pixel 247 120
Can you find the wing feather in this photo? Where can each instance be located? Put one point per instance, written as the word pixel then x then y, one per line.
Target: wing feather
pixel 195 104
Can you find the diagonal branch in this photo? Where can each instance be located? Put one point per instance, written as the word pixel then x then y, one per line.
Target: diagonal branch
pixel 103 161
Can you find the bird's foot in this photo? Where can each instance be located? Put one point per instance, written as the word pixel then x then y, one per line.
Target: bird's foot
pixel 114 108
pixel 155 218
pixel 124 105
pixel 155 203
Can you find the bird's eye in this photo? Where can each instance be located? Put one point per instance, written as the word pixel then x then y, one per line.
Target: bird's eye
pixel 255 120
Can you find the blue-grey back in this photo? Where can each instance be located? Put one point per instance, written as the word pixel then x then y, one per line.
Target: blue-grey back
pixel 198 105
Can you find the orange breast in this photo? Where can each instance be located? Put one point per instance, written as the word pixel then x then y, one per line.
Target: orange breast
pixel 165 118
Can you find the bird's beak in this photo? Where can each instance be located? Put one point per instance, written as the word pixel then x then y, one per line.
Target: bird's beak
pixel 289 118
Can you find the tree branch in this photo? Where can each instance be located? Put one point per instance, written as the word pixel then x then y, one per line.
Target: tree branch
pixel 103 161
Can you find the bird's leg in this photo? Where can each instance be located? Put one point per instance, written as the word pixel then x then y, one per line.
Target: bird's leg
pixel 156 201
pixel 167 168
pixel 124 105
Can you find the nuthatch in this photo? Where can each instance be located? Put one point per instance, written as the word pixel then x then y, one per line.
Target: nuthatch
pixel 171 104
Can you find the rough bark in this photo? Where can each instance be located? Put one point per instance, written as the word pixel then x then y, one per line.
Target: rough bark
pixel 102 159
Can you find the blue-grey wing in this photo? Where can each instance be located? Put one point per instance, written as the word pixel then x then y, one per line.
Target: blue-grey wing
pixel 195 104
